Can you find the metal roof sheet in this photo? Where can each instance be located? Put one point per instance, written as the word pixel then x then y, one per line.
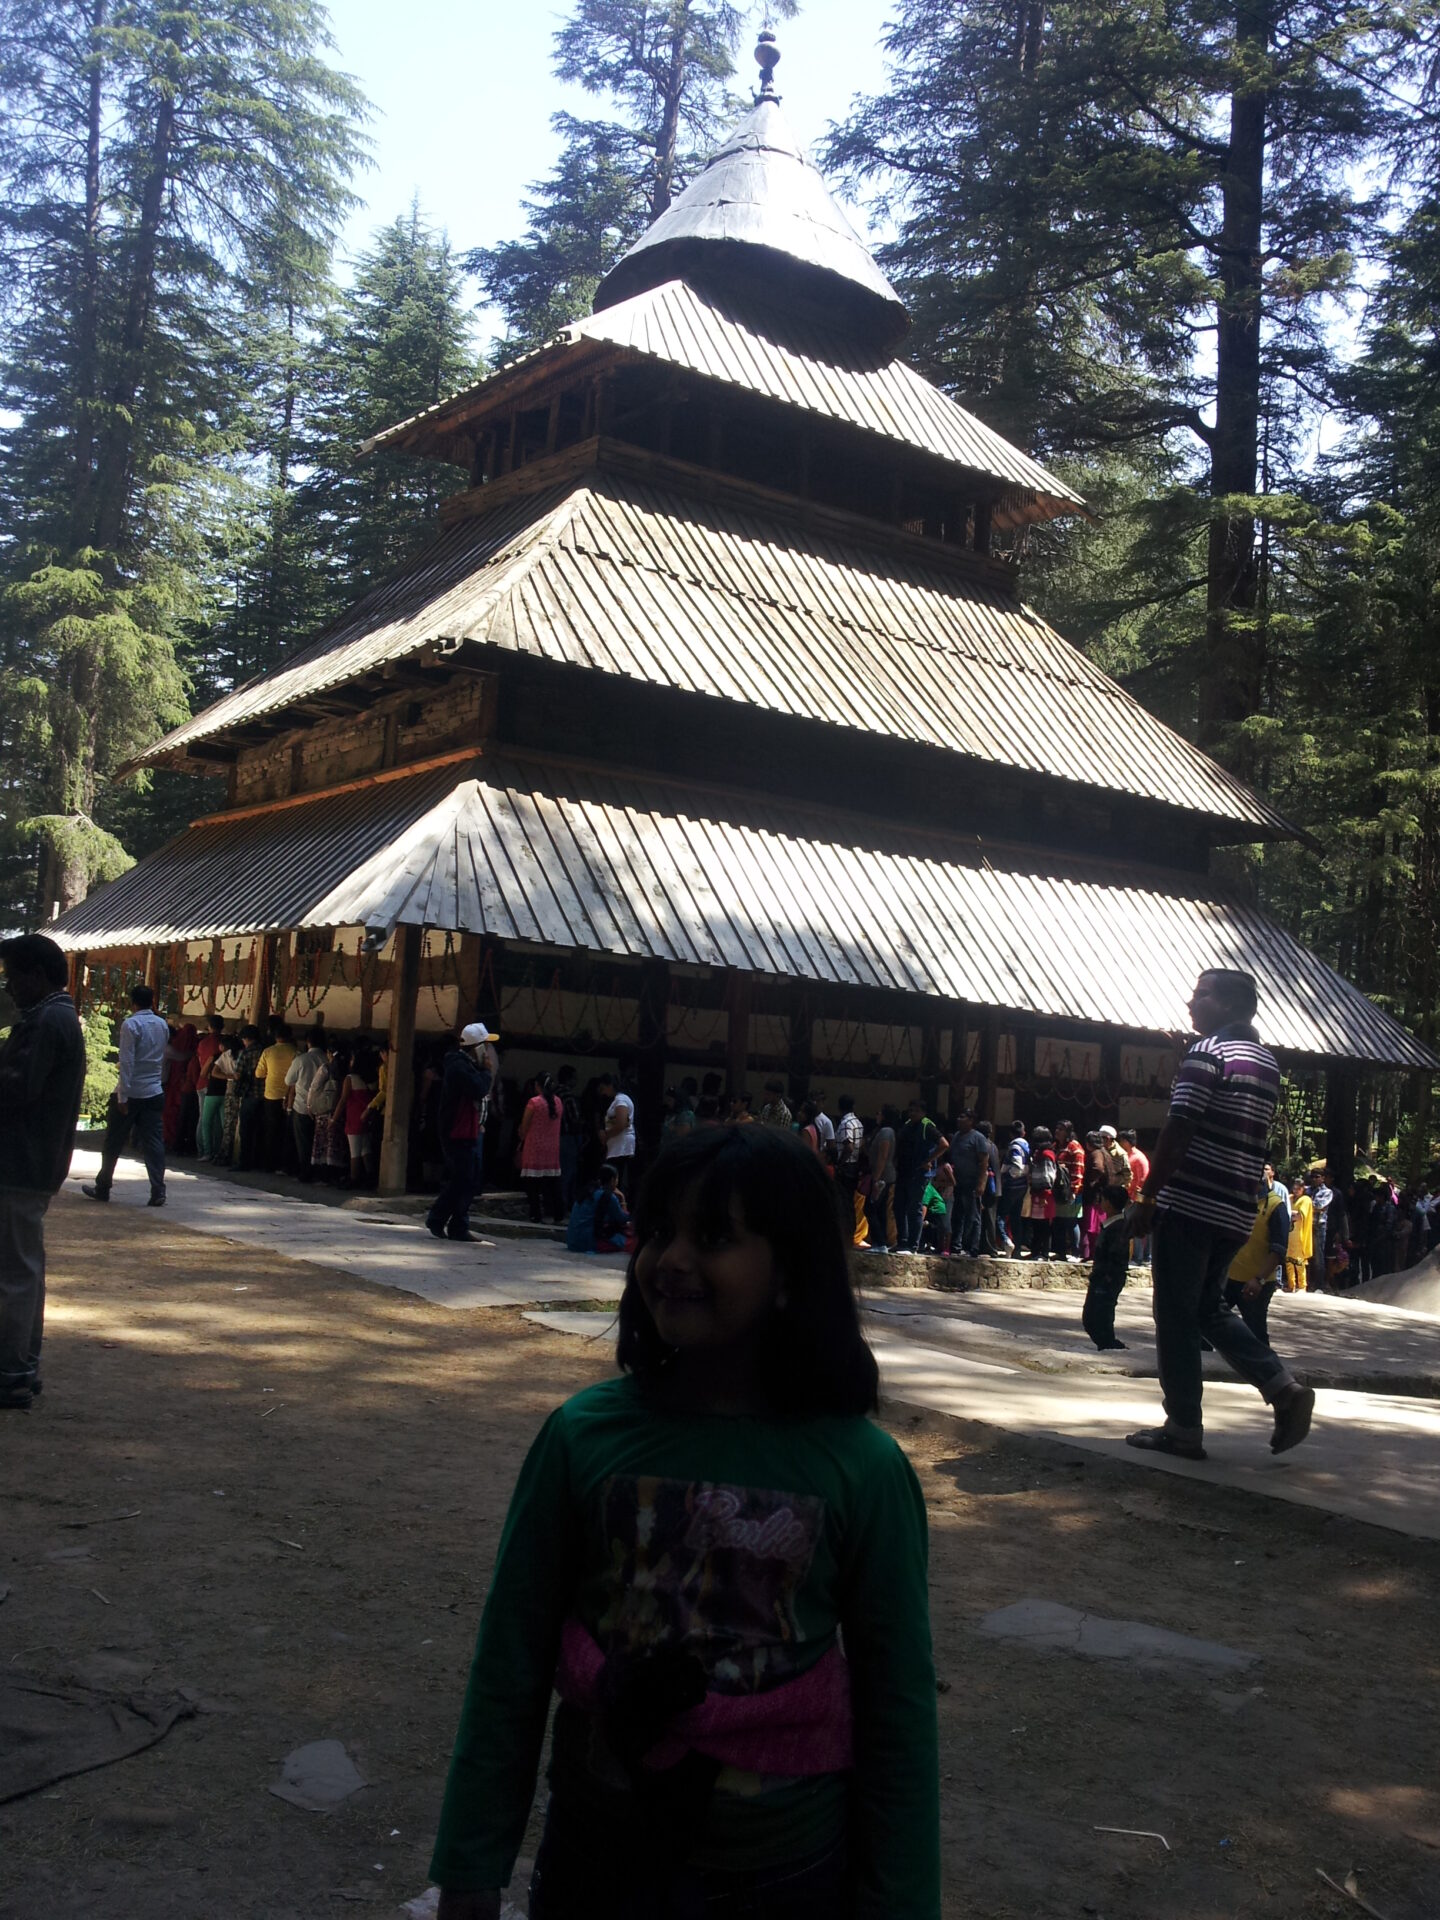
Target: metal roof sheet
pixel 759 210
pixel 746 344
pixel 730 602
pixel 582 860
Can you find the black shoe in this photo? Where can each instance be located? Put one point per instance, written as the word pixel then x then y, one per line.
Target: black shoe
pixel 15 1400
pixel 464 1235
pixel 156 1200
pixel 1293 1415
pixel 439 1232
pixel 96 1193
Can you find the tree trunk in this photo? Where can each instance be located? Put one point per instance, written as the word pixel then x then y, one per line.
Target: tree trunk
pixel 87 330
pixel 1232 673
pixel 667 140
pixel 117 465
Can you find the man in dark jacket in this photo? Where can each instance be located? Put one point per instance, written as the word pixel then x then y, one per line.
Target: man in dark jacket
pixel 42 1075
pixel 465 1083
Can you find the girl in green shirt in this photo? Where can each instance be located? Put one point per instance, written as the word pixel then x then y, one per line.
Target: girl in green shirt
pixel 719 1563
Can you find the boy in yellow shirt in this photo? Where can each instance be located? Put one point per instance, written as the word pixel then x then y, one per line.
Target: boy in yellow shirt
pixel 1255 1270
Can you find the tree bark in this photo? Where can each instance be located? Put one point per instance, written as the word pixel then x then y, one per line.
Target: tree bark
pixel 117 464
pixel 1232 673
pixel 667 140
pixel 87 332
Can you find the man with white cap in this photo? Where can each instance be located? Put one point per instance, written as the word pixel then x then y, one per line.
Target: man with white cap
pixel 1117 1156
pixel 468 1075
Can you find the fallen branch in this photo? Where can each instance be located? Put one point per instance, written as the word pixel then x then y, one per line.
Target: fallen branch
pixel 1351 1890
pixel 1136 1833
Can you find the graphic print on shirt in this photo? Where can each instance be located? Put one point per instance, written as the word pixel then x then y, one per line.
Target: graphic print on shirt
pixel 711 1567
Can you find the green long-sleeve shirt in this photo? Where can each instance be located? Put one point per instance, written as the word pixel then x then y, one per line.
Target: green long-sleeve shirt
pixel 749 1542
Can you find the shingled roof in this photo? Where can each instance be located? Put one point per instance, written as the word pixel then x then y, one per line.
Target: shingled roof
pixel 720 598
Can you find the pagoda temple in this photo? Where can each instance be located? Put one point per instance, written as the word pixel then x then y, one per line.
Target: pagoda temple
pixel 712 733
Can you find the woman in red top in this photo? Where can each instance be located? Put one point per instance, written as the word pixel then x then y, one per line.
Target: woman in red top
pixel 540 1150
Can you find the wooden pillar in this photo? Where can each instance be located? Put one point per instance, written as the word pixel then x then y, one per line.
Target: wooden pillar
pixel 400 1081
pixel 738 990
pixel 261 979
pixel 217 963
pixel 152 969
pixel 1110 1078
pixel 651 1050
pixel 479 967
pixel 930 1066
pixel 800 1059
pixel 1342 1087
pixel 75 967
pixel 959 1047
pixel 987 1072
pixel 983 522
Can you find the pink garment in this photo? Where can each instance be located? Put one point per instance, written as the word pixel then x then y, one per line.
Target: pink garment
pixel 804 1726
pixel 540 1152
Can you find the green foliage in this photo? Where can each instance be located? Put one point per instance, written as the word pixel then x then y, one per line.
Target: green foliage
pixel 664 69
pixel 160 177
pixel 101 1069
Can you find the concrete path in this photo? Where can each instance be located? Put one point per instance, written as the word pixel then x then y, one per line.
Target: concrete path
pixel 391 1250
pixel 1014 1360
pixel 1370 1456
pixel 1332 1339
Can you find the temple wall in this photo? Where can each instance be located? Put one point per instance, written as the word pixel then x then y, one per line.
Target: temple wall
pixel 402 728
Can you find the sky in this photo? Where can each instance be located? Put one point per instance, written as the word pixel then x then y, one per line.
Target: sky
pixel 463 95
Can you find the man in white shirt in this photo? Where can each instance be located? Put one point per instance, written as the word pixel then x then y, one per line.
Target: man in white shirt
pixel 300 1077
pixel 618 1132
pixel 138 1102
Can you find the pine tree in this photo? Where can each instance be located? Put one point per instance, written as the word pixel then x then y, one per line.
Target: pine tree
pixel 396 343
pixel 1084 190
pixel 663 65
pixel 153 167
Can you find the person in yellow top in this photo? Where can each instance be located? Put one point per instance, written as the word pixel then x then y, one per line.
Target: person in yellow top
pixel 1302 1237
pixel 1255 1270
pixel 270 1071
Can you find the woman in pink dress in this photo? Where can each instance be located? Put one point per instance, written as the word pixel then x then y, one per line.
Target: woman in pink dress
pixel 540 1150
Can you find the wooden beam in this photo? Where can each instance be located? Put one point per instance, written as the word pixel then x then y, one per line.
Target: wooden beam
pixel 988 1067
pixel 738 992
pixel 1342 1090
pixel 651 1052
pixel 930 1065
pixel 345 786
pixel 217 961
pixel 800 1059
pixel 400 1083
pixel 959 1048
pixel 262 979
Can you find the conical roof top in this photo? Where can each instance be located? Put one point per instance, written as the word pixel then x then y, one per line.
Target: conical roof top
pixel 759 216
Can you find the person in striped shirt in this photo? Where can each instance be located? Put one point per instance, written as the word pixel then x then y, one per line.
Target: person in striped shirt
pixel 1200 1194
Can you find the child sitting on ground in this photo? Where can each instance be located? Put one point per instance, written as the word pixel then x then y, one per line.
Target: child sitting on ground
pixel 612 1222
pixel 1109 1271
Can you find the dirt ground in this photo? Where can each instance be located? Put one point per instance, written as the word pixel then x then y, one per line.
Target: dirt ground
pixel 317 1470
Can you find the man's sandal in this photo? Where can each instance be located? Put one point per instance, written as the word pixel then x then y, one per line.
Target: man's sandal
pixel 1161 1440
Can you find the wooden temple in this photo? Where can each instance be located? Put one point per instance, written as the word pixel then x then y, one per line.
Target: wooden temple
pixel 711 733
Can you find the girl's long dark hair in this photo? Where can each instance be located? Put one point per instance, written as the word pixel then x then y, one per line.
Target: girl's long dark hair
pixel 814 1358
pixel 547 1087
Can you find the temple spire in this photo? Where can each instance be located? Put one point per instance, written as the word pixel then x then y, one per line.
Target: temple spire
pixel 767 58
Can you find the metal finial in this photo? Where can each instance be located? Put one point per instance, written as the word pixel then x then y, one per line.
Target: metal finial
pixel 767 58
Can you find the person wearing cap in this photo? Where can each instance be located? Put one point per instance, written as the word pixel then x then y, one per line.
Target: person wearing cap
pixel 466 1080
pixel 42 1075
pixel 1200 1192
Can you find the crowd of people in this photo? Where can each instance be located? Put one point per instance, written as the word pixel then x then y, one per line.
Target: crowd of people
pixel 311 1103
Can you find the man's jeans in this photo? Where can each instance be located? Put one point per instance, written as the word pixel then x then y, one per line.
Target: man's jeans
pixel 909 1206
pixel 1190 1264
pixel 451 1211
pixel 22 1285
pixel 966 1238
pixel 146 1119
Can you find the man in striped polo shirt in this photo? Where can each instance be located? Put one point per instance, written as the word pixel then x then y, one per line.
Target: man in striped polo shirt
pixel 1200 1192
